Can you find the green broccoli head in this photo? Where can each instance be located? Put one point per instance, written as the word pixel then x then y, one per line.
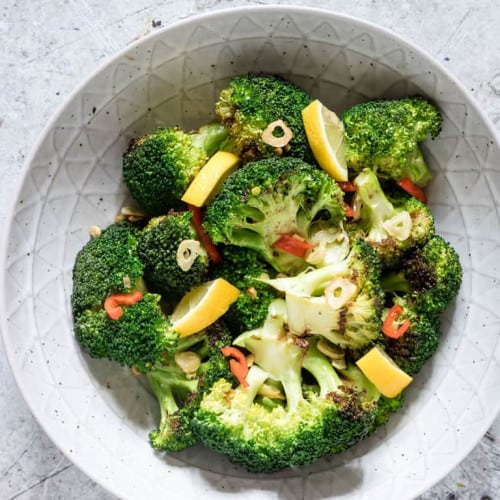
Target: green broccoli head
pixel 386 406
pixel 106 265
pixel 418 344
pixel 385 135
pixel 429 277
pixel 139 338
pixel 250 103
pixel 174 259
pixel 243 268
pixel 265 199
pixel 157 168
pixel 341 301
pixel 304 424
pixel 392 228
pixel 179 382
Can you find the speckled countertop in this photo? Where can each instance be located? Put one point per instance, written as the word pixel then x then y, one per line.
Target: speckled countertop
pixel 49 46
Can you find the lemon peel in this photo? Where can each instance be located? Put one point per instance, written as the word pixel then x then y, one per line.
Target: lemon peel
pixel 325 134
pixel 207 182
pixel 202 306
pixel 383 372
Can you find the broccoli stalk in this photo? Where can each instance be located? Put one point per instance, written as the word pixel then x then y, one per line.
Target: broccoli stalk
pixel 179 386
pixel 315 305
pixel 391 228
pixel 264 200
pixel 321 369
pixel 316 420
pixel 157 168
pixel 173 389
pixel 385 135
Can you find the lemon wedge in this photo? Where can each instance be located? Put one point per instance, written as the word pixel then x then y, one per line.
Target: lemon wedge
pixel 325 134
pixel 383 372
pixel 203 305
pixel 207 182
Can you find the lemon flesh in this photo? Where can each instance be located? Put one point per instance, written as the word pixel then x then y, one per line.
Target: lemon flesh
pixel 383 372
pixel 207 182
pixel 325 134
pixel 202 306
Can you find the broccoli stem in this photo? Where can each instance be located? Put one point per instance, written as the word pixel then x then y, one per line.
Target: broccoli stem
pixel 376 207
pixel 355 377
pixel 281 360
pixel 170 386
pixel 417 169
pixel 185 343
pixel 321 369
pixel 255 378
pixel 311 283
pixel 395 282
pixel 209 137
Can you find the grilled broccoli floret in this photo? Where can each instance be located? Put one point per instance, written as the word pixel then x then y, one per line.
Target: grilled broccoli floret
pixel 250 103
pixel 306 423
pixel 354 378
pixel 106 265
pixel 139 338
pixel 386 406
pixel 341 301
pixel 385 135
pixel 418 344
pixel 157 168
pixel 179 382
pixel 392 228
pixel 429 277
pixel 174 259
pixel 265 199
pixel 243 267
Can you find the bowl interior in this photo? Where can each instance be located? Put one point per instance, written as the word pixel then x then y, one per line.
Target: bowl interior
pixel 99 414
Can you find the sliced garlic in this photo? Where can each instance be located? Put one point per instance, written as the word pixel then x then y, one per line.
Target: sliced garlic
pixel 95 231
pixel 399 226
pixel 330 245
pixel 277 142
pixel 187 252
pixel 357 206
pixel 129 210
pixel 252 292
pixel 317 254
pixel 336 355
pixel 270 391
pixel 188 361
pixel 339 291
pixel 135 371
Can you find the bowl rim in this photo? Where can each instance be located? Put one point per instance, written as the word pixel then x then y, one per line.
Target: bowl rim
pixel 135 44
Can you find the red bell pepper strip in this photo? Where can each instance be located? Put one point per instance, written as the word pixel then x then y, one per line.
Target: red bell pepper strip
pixel 113 302
pixel 412 189
pixel 207 243
pixel 349 211
pixel 238 365
pixel 347 186
pixel 390 328
pixel 293 244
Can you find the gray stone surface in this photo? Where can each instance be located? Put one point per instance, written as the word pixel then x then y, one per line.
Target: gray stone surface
pixel 48 47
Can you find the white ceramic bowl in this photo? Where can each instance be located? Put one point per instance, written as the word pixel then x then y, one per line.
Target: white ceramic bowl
pixel 98 414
